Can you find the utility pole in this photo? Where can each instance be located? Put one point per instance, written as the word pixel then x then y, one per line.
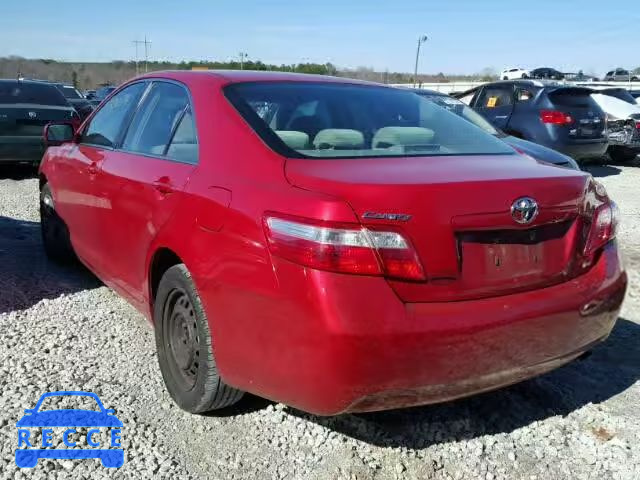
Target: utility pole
pixel 147 44
pixel 422 39
pixel 243 57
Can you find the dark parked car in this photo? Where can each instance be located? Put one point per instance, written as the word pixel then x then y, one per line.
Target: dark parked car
pixel 100 94
pixel 558 116
pixel 635 93
pixel 534 150
pixel 77 101
pixel 546 72
pixel 25 108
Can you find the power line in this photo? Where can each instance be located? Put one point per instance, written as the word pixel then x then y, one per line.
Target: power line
pixel 146 44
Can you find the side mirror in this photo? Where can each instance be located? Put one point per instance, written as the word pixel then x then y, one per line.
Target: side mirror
pixel 110 411
pixel 58 133
pixel 29 411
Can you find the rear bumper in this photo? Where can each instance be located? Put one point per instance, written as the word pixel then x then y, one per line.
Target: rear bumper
pixel 351 345
pixel 21 149
pixel 585 149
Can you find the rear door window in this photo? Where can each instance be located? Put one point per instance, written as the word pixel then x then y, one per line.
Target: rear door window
pixel 109 122
pixel 157 119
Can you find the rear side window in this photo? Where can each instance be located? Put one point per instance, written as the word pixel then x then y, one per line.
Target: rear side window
pixel 109 122
pixel 69 92
pixel 492 97
pixel 339 120
pixel 34 93
pixel 568 97
pixel 159 119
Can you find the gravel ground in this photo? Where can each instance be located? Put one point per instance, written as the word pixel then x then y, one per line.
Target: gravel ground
pixel 60 329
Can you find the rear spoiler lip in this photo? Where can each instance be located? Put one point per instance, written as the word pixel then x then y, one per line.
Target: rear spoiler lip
pixel 571 88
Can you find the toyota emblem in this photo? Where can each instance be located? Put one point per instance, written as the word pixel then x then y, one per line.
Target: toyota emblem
pixel 33 114
pixel 524 210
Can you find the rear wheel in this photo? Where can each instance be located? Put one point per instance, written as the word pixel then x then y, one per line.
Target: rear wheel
pixel 55 234
pixel 184 346
pixel 505 78
pixel 622 154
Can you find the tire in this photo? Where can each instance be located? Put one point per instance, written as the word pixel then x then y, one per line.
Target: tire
pixel 524 75
pixel 55 234
pixel 505 78
pixel 184 346
pixel 622 154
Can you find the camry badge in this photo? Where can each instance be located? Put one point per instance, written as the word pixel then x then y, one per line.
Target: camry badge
pixel 399 217
pixel 524 210
pixel 33 114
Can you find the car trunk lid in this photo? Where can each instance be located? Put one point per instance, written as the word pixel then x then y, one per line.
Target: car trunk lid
pixel 460 217
pixel 27 120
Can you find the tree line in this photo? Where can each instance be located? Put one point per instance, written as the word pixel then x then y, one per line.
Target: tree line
pixel 87 75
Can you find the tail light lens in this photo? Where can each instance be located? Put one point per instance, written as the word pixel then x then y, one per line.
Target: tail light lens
pixel 344 248
pixel 555 117
pixel 604 225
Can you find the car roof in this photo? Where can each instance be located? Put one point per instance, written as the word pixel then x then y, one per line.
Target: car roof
pixel 242 76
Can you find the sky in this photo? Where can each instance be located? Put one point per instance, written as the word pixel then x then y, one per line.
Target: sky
pixel 465 36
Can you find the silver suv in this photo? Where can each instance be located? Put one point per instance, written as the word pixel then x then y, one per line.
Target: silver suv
pixel 620 75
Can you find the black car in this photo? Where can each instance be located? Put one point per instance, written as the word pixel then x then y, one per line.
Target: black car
pixel 532 149
pixel 25 108
pixel 77 101
pixel 558 116
pixel 548 73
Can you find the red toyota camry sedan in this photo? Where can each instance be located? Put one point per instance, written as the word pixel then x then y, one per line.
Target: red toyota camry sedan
pixel 335 245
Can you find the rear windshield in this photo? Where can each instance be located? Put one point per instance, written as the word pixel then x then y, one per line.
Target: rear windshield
pixel 459 108
pixel 336 120
pixel 572 97
pixel 621 94
pixel 69 92
pixel 35 93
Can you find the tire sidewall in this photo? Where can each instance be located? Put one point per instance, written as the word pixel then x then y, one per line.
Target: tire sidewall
pixel 195 399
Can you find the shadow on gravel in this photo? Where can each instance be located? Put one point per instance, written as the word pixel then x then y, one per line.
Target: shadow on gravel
pixel 26 275
pixel 602 170
pixel 18 172
pixel 612 368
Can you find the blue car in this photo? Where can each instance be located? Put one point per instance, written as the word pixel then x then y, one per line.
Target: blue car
pixel 562 117
pixel 28 457
pixel 535 150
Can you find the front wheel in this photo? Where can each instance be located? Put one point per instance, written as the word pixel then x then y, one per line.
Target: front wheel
pixel 183 342
pixel 55 234
pixel 622 154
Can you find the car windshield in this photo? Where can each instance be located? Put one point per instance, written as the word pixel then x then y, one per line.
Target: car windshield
pixel 339 120
pixel 459 108
pixel 34 93
pixel 69 402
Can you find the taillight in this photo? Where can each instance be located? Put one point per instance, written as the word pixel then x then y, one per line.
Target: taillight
pixel 604 225
pixel 344 248
pixel 555 117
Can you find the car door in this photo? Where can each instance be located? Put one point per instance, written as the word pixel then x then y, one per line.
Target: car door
pixel 143 181
pixel 495 103
pixel 79 198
